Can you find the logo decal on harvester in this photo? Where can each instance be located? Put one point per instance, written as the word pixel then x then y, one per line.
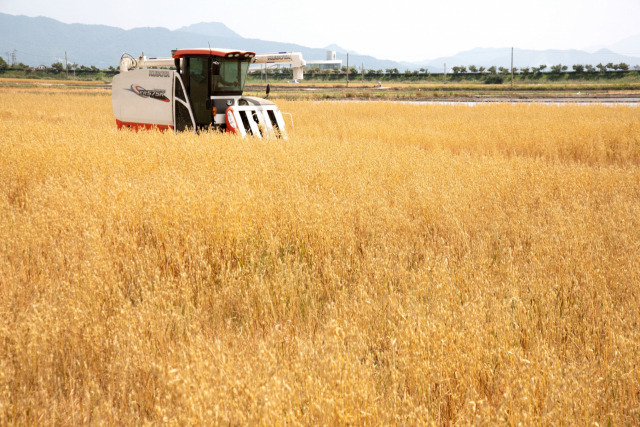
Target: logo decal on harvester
pixel 149 93
pixel 159 73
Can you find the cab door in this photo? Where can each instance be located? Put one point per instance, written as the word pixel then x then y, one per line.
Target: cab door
pixel 199 76
pixel 182 115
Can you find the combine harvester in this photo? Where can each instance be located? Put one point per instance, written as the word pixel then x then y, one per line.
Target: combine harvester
pixel 203 91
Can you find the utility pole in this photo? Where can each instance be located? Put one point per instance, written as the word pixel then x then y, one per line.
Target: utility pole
pixel 512 68
pixel 347 69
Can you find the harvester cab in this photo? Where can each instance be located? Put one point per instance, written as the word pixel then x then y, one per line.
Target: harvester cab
pixel 194 89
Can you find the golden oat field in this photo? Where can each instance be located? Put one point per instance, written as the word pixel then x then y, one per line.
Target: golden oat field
pixel 388 264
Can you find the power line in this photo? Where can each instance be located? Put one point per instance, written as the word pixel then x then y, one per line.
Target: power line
pixel 13 56
pixel 33 54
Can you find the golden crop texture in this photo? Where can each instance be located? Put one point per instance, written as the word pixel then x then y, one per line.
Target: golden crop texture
pixel 388 264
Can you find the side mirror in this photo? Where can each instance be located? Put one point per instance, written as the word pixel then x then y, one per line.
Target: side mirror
pixel 215 68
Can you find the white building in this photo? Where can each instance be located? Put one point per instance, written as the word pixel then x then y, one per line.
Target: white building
pixel 330 63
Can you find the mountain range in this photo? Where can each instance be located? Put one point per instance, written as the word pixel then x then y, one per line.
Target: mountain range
pixel 43 40
pixel 501 57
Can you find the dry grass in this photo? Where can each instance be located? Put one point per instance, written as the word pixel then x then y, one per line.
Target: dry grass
pixel 389 264
pixel 47 82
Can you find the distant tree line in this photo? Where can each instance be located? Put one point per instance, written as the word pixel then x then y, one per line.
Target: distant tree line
pixel 493 74
pixel 559 68
pixel 355 74
pixel 56 68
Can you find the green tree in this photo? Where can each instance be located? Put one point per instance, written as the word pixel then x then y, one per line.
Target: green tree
pixel 3 64
pixel 623 67
pixel 556 68
pixel 590 68
pixel 473 68
pixel 492 70
pixel 602 68
pixel 503 70
pixel 578 68
pixel 58 67
pixel 481 69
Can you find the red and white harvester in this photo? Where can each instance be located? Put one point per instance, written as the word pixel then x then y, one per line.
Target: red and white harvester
pixel 196 89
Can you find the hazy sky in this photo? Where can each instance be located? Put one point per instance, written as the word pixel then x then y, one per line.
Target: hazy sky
pixel 397 29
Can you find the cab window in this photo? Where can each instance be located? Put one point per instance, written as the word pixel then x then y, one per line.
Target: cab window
pixel 232 76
